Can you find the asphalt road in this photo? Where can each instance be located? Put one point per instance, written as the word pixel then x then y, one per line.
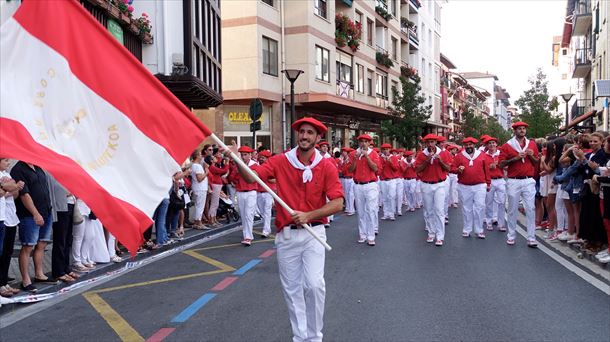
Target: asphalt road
pixel 403 289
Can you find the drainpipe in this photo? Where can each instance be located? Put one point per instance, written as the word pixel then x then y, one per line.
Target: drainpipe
pixel 283 77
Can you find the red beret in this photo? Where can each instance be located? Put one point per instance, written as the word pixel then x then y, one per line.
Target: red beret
pixel 315 123
pixel 376 149
pixel 490 139
pixel 441 138
pixel 245 149
pixel 386 146
pixel 365 137
pixel 484 137
pixel 393 150
pixel 430 137
pixel 470 140
pixel 520 124
pixel 451 147
pixel 322 143
pixel 265 153
pixel 409 153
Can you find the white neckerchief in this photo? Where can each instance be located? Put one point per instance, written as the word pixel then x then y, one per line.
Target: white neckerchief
pixel 471 159
pixel 436 154
pixel 517 147
pixel 495 154
pixel 359 150
pixel 407 162
pixel 327 155
pixel 296 163
pixel 252 162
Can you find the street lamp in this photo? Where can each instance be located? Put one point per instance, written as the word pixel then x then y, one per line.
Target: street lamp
pixel 566 99
pixel 292 75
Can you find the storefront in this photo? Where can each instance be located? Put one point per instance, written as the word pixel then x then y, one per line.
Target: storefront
pixel 236 126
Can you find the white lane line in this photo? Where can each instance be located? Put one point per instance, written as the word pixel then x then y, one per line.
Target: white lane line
pixel 605 288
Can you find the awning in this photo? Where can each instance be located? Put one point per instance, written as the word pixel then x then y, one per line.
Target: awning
pixel 579 120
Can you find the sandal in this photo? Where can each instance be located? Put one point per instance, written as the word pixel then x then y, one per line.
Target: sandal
pixel 4 292
pixel 74 275
pixel 66 278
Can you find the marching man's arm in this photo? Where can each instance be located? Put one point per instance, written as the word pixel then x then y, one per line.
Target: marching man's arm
pixel 328 209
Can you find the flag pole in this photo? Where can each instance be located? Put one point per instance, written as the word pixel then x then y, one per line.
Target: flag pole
pixel 268 189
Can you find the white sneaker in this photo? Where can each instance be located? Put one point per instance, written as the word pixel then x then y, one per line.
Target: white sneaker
pixel 564 236
pixel 602 254
pixel 605 259
pixel 575 240
pixel 116 259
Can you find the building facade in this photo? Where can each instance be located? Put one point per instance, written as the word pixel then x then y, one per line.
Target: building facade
pixel 346 82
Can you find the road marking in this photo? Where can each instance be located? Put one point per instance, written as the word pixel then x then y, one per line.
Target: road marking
pixel 160 335
pixel 193 308
pixel 563 262
pixel 209 260
pixel 223 284
pixel 231 245
pixel 267 253
pixel 116 322
pixel 245 268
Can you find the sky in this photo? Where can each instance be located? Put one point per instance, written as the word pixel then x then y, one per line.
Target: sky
pixel 508 38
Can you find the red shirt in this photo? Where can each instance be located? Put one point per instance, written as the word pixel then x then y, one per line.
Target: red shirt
pixel 215 173
pixel 497 172
pixel 409 169
pixel 433 172
pixel 452 158
pixel 390 169
pixel 363 172
pixel 344 168
pixel 238 180
pixel 298 195
pixel 273 185
pixel 519 168
pixel 478 173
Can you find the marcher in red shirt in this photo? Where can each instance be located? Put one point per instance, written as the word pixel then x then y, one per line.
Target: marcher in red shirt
pixel 432 164
pixel 520 156
pixel 409 180
pixel 453 193
pixel 264 200
pixel 495 202
pixel 365 164
pixel 246 195
pixel 347 180
pixel 305 179
pixel 389 177
pixel 472 166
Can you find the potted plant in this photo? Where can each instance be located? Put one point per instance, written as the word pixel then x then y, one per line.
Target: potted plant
pixel 347 32
pixel 384 59
pixel 144 28
pixel 383 13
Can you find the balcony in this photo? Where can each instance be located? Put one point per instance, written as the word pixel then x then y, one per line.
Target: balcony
pixel 413 39
pixel 582 63
pixel 345 89
pixel 582 19
pixel 414 5
pixel 580 107
pixel 382 101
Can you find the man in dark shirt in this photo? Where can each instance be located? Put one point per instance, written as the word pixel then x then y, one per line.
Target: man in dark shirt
pixel 34 212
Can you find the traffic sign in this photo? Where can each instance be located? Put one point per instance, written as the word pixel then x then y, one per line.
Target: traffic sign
pixel 255 126
pixel 256 110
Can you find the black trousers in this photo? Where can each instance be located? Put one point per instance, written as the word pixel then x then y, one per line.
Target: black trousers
pixel 7 253
pixel 62 243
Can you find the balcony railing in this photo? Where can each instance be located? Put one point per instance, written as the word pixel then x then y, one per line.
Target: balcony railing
pixel 582 19
pixel 381 3
pixel 416 4
pixel 582 63
pixel 580 107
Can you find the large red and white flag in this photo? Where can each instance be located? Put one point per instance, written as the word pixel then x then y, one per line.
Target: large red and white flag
pixel 75 102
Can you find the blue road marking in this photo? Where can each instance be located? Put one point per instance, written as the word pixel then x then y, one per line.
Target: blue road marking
pixel 245 268
pixel 193 308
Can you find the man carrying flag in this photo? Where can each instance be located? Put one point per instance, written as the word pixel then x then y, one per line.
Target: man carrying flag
pixel 305 179
pixel 92 126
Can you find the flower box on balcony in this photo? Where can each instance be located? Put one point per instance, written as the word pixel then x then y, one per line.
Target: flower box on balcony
pixel 383 58
pixel 125 18
pixel 147 38
pixel 114 12
pixel 347 32
pixel 383 13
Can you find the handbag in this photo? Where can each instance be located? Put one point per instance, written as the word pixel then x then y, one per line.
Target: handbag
pixel 77 217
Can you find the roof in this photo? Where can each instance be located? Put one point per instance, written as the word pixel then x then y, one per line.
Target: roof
pixel 478 74
pixel 447 62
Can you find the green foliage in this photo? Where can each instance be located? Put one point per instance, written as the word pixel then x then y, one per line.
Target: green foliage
pixel 410 112
pixel 476 126
pixel 384 59
pixel 536 107
pixel 383 13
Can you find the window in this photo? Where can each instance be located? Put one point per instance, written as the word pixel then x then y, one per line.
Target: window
pixel 394 49
pixel 358 18
pixel 322 64
pixel 344 72
pixel 320 8
pixel 359 78
pixel 269 56
pixel 423 68
pixel 382 86
pixel 369 82
pixel 394 8
pixel 395 88
pixel 369 32
pixel 268 2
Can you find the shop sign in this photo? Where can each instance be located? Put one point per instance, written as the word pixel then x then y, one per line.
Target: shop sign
pixel 237 118
pixel 115 30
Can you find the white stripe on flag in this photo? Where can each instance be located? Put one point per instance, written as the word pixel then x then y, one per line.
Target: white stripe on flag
pixel 66 116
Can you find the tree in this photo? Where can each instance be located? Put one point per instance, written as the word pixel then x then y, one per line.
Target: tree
pixel 409 111
pixel 536 107
pixel 476 126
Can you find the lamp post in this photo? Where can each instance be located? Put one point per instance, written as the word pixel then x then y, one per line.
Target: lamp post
pixel 566 99
pixel 292 75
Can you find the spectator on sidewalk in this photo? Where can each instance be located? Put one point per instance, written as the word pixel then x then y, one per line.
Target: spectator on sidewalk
pixel 199 186
pixel 9 190
pixel 34 212
pixel 218 167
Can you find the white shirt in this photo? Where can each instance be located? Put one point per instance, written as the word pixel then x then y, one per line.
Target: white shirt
pixel 202 186
pixel 8 211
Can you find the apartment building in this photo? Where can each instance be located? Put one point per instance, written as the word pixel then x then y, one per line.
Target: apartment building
pixel 586 36
pixel 346 81
pixel 561 84
pixel 501 105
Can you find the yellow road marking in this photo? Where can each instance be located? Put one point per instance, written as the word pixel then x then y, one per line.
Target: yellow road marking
pixel 270 239
pixel 210 261
pixel 116 322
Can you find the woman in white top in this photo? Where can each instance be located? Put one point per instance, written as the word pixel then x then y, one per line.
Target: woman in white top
pixel 8 224
pixel 199 185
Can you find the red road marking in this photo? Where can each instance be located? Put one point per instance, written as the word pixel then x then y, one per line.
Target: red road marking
pixel 161 335
pixel 224 283
pixel 267 253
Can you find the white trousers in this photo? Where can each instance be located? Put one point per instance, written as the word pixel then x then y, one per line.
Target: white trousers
pixel 472 198
pixel 301 267
pixel 78 235
pixel 380 196
pixel 399 195
pixel 562 213
pixel 214 201
pixel 524 189
pixel 447 195
pixel 419 198
pixel 110 244
pixel 348 192
pixel 389 198
pixel 453 188
pixel 434 211
pixel 495 203
pixel 199 198
pixel 246 201
pixel 264 202
pixel 367 209
pixel 409 190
